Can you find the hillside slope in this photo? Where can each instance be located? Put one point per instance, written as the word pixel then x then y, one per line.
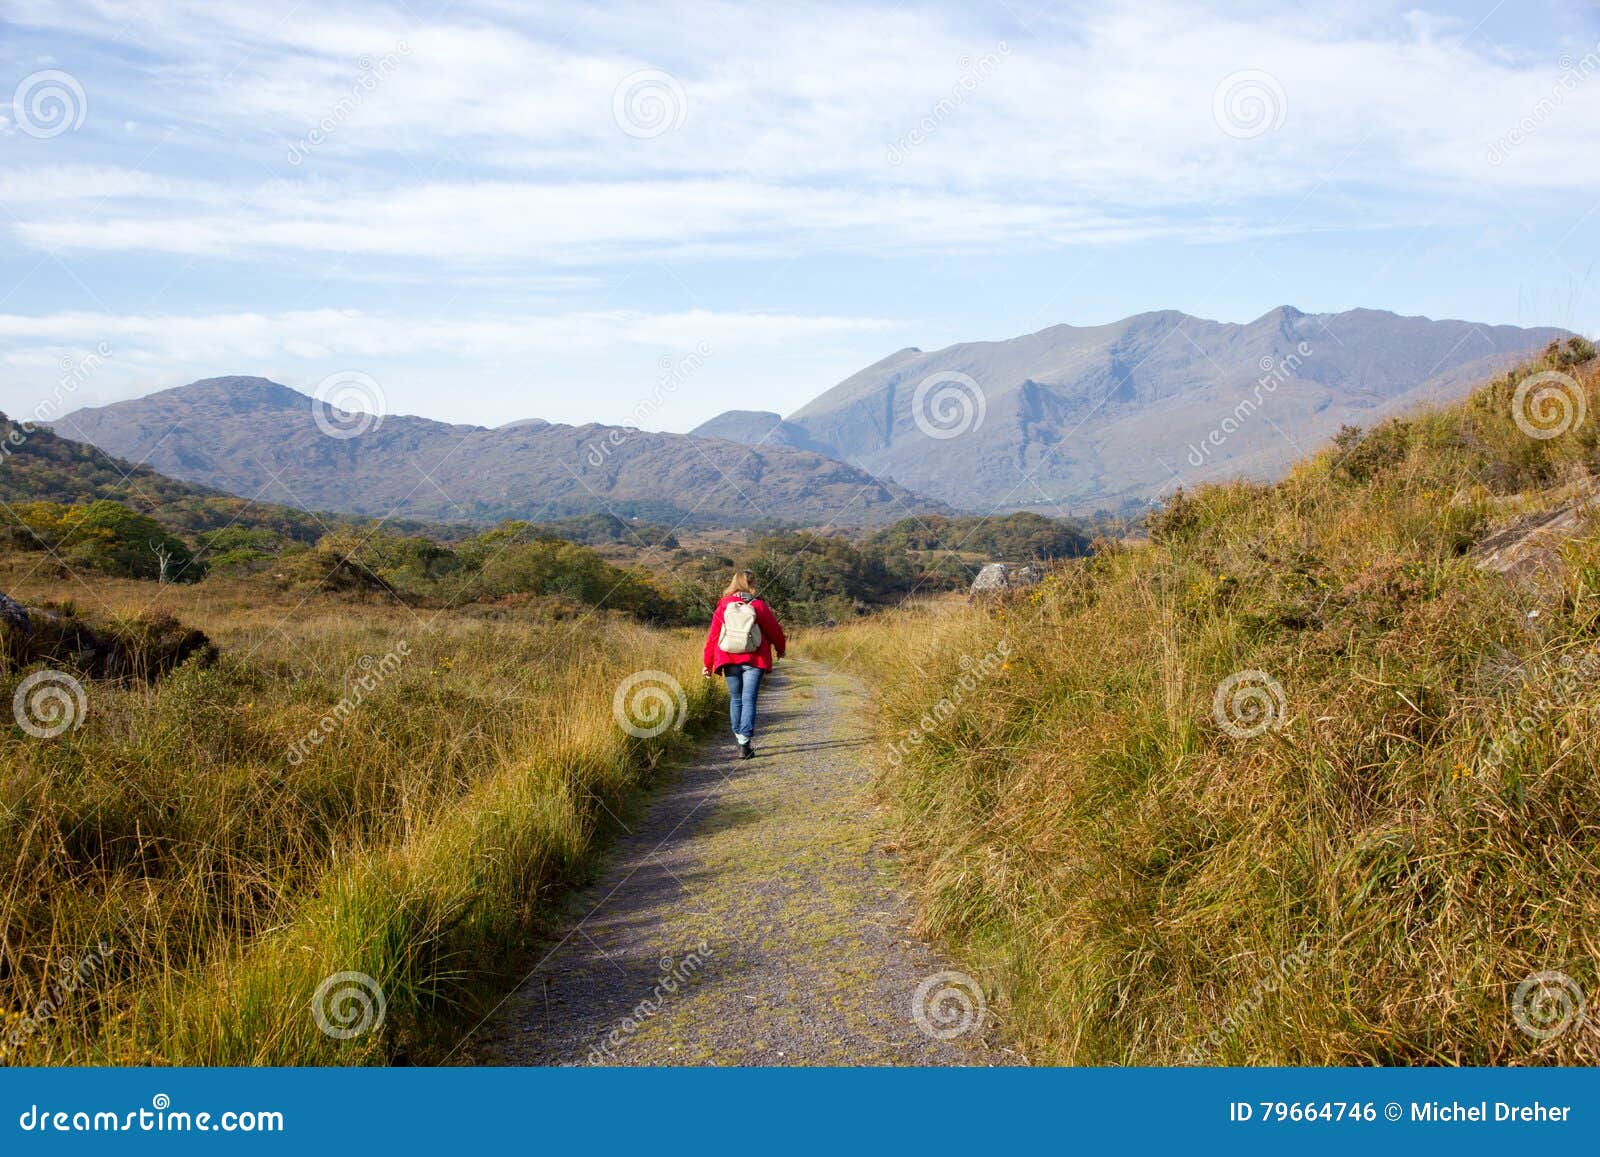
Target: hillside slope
pixel 1307 780
pixel 1104 415
pixel 251 436
pixel 41 466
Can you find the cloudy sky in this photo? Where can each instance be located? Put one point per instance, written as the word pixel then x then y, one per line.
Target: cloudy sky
pixel 501 210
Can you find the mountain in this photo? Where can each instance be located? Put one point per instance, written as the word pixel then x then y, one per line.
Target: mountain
pixel 1074 417
pixel 759 428
pixel 1112 414
pixel 257 438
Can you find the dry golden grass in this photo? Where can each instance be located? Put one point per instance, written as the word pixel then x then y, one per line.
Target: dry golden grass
pixel 418 843
pixel 1368 879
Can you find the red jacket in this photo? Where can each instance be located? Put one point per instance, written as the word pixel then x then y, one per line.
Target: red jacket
pixel 771 636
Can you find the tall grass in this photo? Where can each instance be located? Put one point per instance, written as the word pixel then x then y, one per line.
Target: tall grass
pixel 1370 878
pixel 229 865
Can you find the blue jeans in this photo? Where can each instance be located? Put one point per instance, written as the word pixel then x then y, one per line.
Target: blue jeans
pixel 744 684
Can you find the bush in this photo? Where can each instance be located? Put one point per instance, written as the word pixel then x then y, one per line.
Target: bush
pixel 574 572
pixel 239 549
pixel 1360 455
pixel 144 646
pixel 109 537
pixel 1011 537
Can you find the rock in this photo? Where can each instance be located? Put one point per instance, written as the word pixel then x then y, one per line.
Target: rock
pixel 152 644
pixel 1531 545
pixel 996 577
pixel 14 615
pixel 16 632
pixel 145 646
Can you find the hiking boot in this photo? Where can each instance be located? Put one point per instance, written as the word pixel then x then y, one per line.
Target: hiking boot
pixel 746 751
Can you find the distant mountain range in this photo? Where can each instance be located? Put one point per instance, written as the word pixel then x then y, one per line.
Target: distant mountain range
pixel 1069 418
pixel 257 438
pixel 1103 415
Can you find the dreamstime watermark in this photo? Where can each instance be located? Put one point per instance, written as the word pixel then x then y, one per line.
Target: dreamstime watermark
pixel 1573 74
pixel 74 974
pixel 1571 676
pixel 372 75
pixel 948 404
pixel 648 703
pixel 371 674
pixel 949 1004
pixel 1249 703
pixel 74 372
pixel 159 1118
pixel 1249 103
pixel 671 374
pixel 48 103
pixel 1274 372
pixel 348 404
pixel 649 103
pixel 1280 971
pixel 973 74
pixel 973 674
pixel 49 703
pixel 1546 1004
pixel 1548 404
pixel 347 1004
pixel 674 975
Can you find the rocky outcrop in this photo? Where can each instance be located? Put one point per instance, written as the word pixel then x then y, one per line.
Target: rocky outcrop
pixel 998 577
pixel 1531 544
pixel 145 646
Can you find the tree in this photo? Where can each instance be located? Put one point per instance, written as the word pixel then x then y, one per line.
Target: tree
pixel 163 554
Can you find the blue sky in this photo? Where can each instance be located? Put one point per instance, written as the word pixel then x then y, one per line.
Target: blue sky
pixel 499 210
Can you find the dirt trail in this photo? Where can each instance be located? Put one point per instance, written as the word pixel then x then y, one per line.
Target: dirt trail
pixel 750 917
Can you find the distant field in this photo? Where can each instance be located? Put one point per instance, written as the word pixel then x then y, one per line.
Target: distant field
pixel 185 868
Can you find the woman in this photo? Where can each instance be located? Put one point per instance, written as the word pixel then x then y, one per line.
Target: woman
pixel 739 646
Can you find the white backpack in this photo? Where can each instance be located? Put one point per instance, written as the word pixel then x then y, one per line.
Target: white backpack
pixel 741 634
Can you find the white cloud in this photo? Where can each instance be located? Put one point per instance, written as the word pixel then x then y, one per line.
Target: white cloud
pixel 488 162
pixel 488 222
pixel 493 137
pixel 328 332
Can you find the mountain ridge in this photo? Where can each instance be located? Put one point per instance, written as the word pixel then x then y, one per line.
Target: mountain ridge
pixel 1070 417
pixel 254 437
pixel 1065 419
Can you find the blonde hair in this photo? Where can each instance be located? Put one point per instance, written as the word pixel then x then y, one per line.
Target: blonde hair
pixel 742 583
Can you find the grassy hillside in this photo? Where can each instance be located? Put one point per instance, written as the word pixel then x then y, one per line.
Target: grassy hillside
pixel 38 466
pixel 349 789
pixel 1299 782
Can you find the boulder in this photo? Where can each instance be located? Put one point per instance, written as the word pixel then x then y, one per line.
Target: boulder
pixel 145 646
pixel 997 577
pixel 1530 547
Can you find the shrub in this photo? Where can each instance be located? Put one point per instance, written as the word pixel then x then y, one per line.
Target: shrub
pixel 109 537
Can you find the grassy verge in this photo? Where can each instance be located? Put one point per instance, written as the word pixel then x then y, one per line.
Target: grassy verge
pixel 1296 783
pixel 186 869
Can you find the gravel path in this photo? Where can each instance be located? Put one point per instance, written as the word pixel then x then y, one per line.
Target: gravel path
pixel 751 917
